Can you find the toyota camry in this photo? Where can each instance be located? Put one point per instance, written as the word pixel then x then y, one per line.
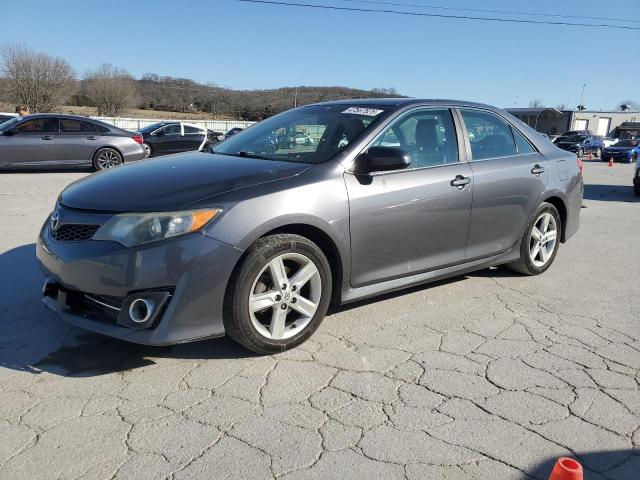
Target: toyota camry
pixel 255 242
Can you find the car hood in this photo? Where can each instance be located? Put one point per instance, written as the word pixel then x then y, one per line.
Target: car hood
pixel 172 182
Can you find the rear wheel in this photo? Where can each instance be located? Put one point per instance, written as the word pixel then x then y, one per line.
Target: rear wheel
pixel 278 295
pixel 540 242
pixel 147 149
pixel 106 158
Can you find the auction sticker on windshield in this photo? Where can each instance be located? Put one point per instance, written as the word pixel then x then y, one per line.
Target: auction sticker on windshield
pixel 371 112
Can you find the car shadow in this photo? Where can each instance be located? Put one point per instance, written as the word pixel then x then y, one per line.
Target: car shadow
pixel 610 193
pixel 619 464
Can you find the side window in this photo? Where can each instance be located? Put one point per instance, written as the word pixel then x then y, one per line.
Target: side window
pixel 173 129
pixel 489 135
pixel 429 136
pixel 75 126
pixel 190 129
pixel 39 125
pixel 523 146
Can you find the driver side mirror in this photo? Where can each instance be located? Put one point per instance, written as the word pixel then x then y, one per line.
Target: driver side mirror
pixel 379 159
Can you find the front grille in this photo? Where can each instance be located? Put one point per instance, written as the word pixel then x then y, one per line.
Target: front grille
pixel 74 233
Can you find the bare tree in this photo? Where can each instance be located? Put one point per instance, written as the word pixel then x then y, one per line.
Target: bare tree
pixel 110 89
pixel 535 103
pixel 561 106
pixel 38 80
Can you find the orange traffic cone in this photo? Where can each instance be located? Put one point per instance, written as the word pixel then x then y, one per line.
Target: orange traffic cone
pixel 566 469
pixel 611 161
pixel 590 156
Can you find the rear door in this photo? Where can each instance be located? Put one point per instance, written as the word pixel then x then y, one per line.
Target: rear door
pixel 77 142
pixel 167 139
pixel 33 143
pixel 509 177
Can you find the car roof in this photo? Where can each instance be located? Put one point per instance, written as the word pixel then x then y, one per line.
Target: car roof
pixel 403 102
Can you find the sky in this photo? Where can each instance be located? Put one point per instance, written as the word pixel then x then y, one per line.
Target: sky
pixel 246 46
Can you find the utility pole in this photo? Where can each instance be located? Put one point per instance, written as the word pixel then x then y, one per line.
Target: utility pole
pixel 581 105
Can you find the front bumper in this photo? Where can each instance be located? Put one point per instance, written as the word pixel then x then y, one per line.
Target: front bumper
pixel 194 269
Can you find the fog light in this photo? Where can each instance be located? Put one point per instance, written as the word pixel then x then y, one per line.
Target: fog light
pixel 141 310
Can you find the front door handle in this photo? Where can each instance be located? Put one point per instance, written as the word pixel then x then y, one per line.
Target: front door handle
pixel 91 137
pixel 460 181
pixel 47 137
pixel 537 170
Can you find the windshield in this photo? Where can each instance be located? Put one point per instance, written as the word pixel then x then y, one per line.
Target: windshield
pixel 9 124
pixel 575 139
pixel 627 143
pixel 312 134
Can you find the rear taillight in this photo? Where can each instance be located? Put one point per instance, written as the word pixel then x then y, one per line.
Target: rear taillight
pixel 137 138
pixel 580 165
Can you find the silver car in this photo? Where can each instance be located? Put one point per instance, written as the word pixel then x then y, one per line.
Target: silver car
pixel 45 140
pixel 255 243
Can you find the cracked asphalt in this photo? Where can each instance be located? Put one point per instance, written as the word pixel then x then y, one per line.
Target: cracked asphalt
pixel 487 376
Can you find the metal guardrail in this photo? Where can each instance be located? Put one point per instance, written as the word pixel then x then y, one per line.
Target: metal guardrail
pixel 134 124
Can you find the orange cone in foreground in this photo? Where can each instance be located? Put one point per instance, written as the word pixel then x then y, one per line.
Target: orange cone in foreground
pixel 566 469
pixel 611 161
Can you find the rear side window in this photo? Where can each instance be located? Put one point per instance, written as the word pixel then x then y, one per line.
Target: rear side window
pixel 523 146
pixel 489 135
pixel 39 125
pixel 173 129
pixel 76 126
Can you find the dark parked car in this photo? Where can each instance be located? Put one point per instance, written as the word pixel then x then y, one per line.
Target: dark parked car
pixel 174 137
pixel 233 131
pixel 582 144
pixel 256 243
pixel 636 180
pixel 623 151
pixel 45 140
pixel 571 133
pixel 4 118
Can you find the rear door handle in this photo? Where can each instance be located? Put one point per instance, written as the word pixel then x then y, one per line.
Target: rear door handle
pixel 47 137
pixel 460 181
pixel 537 170
pixel 91 137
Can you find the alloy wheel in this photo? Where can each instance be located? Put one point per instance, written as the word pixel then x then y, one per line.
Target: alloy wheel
pixel 108 159
pixel 542 240
pixel 284 296
pixel 147 150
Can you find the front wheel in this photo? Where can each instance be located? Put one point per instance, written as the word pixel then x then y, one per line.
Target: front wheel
pixel 106 158
pixel 278 294
pixel 634 158
pixel 580 152
pixel 599 152
pixel 540 242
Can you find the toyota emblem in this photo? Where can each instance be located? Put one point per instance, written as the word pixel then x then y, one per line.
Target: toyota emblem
pixel 54 221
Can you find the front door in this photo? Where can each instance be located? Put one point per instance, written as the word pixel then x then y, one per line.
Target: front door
pixel 409 221
pixel 509 176
pixel 33 144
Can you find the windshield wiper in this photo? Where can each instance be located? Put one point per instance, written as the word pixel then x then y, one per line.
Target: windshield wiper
pixel 244 154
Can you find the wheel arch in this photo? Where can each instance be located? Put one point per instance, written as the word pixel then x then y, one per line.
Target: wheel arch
pixel 561 206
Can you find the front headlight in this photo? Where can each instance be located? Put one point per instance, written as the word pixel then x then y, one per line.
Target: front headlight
pixel 131 229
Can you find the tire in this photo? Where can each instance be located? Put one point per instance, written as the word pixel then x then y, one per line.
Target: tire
pixel 529 264
pixel 147 150
pixel 599 152
pixel 580 152
pixel 636 190
pixel 279 325
pixel 106 158
pixel 634 158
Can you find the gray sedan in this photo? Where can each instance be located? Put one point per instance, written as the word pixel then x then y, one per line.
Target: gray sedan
pixel 256 243
pixel 46 140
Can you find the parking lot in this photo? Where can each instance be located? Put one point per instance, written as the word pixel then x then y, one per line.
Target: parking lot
pixel 490 375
